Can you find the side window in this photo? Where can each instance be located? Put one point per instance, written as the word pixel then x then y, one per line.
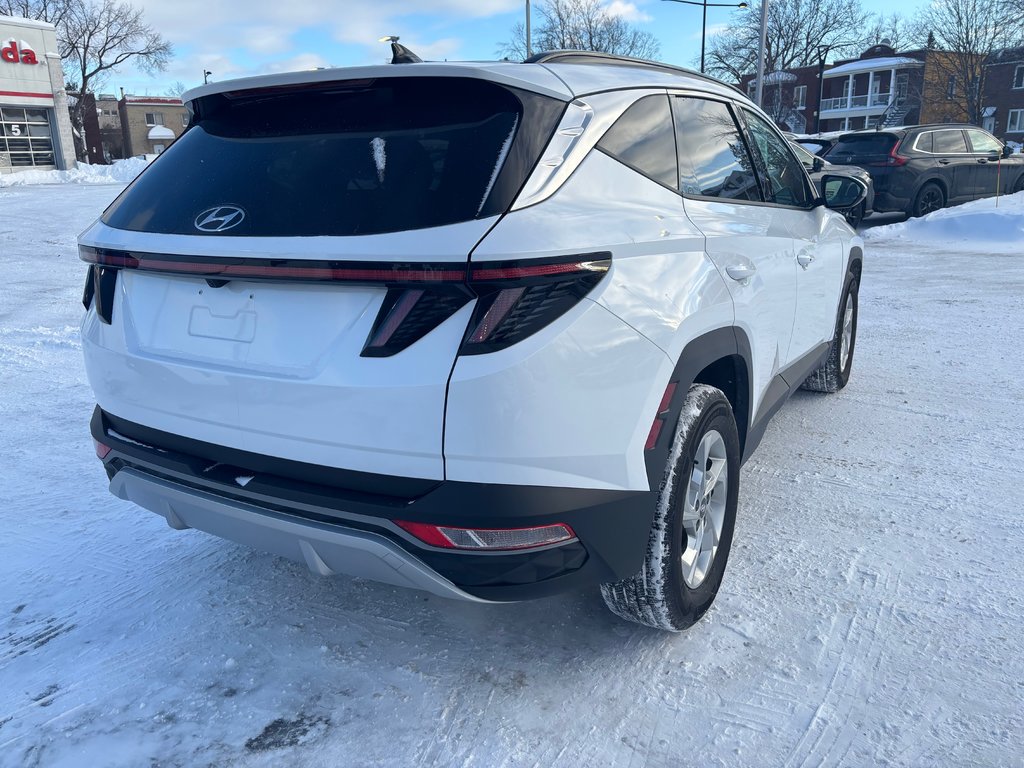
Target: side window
pixel 642 139
pixel 982 143
pixel 924 142
pixel 713 158
pixel 787 182
pixel 949 143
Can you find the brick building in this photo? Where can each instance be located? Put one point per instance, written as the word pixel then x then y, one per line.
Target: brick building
pixel 150 123
pixel 1003 113
pixel 790 97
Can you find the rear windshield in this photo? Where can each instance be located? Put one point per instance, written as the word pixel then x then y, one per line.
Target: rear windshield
pixel 348 158
pixel 865 146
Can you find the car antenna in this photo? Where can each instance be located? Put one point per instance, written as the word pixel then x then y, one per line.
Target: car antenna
pixel 399 53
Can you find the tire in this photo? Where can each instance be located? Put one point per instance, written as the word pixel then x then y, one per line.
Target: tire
pixel 670 592
pixel 929 198
pixel 834 373
pixel 855 216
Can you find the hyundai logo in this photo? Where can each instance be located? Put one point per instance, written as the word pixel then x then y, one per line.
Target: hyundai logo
pixel 219 219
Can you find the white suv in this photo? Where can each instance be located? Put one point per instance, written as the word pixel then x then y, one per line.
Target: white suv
pixel 493 331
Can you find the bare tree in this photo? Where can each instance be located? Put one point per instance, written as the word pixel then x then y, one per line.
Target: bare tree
pixel 177 88
pixel 894 28
pixel 965 33
pixel 797 31
pixel 95 37
pixel 582 25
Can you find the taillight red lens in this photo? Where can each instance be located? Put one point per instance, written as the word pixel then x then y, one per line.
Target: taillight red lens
pixel 449 537
pixel 101 449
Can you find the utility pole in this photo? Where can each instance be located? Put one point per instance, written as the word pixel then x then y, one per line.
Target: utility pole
pixel 760 52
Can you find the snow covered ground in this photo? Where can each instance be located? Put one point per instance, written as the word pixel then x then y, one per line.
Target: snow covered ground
pixel 872 613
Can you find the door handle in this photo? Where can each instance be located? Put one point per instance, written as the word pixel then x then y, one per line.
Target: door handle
pixel 982 160
pixel 741 273
pixel 804 258
pixel 943 162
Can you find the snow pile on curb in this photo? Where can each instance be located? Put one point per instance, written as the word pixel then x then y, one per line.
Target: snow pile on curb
pixel 119 172
pixel 980 224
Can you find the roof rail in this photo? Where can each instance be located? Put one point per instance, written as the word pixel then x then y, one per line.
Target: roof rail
pixel 599 57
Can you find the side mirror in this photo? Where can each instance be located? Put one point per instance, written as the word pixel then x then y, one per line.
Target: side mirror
pixel 841 193
pixel 1007 150
pixel 819 163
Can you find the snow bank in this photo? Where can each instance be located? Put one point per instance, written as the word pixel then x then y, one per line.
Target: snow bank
pixel 981 226
pixel 119 172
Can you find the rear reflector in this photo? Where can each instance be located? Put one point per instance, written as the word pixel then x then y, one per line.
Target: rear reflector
pixel 447 537
pixel 659 419
pixel 101 449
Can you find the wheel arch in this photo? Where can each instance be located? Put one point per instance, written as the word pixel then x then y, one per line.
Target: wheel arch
pixel 720 358
pixel 935 179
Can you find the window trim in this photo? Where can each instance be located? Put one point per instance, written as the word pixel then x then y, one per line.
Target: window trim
pixel 1020 120
pixel 800 103
pixel 1018 76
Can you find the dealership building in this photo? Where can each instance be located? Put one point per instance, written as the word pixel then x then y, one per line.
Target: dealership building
pixel 35 127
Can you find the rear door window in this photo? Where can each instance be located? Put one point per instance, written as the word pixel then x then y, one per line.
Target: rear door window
pixel 714 160
pixel 345 158
pixel 949 142
pixel 642 139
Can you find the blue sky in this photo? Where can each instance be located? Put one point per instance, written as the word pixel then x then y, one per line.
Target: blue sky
pixel 234 39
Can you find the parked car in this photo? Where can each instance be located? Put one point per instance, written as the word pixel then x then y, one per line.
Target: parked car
pixel 922 168
pixel 817 168
pixel 816 145
pixel 475 329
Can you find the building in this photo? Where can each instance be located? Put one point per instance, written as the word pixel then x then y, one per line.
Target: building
pixel 1003 113
pixel 880 87
pixel 35 127
pixel 150 123
pixel 789 97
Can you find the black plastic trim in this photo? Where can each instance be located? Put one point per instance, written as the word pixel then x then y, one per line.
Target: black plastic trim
pixel 611 526
pixel 698 354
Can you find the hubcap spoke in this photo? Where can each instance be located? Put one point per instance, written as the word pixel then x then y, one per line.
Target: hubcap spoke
pixel 704 508
pixel 844 348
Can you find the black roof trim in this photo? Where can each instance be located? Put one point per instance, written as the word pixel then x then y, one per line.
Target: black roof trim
pixel 599 57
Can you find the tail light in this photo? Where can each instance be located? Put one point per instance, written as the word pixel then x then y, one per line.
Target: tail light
pixel 892 159
pixel 514 298
pixel 101 449
pixel 448 537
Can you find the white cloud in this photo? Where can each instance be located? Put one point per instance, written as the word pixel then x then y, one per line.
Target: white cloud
pixel 302 61
pixel 627 11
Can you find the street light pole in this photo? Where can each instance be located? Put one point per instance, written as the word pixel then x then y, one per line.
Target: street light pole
pixel 704 21
pixel 760 52
pixel 529 47
pixel 206 75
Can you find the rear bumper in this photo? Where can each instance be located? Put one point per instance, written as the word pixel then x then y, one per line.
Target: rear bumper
pixel 342 522
pixel 327 550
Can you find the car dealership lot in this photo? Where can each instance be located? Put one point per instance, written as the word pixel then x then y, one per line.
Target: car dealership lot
pixel 873 614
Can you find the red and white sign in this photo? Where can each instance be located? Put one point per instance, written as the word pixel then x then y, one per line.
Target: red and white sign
pixel 15 53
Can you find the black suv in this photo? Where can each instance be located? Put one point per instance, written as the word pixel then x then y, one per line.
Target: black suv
pixel 922 168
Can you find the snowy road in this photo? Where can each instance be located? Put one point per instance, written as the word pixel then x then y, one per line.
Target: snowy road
pixel 872 614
